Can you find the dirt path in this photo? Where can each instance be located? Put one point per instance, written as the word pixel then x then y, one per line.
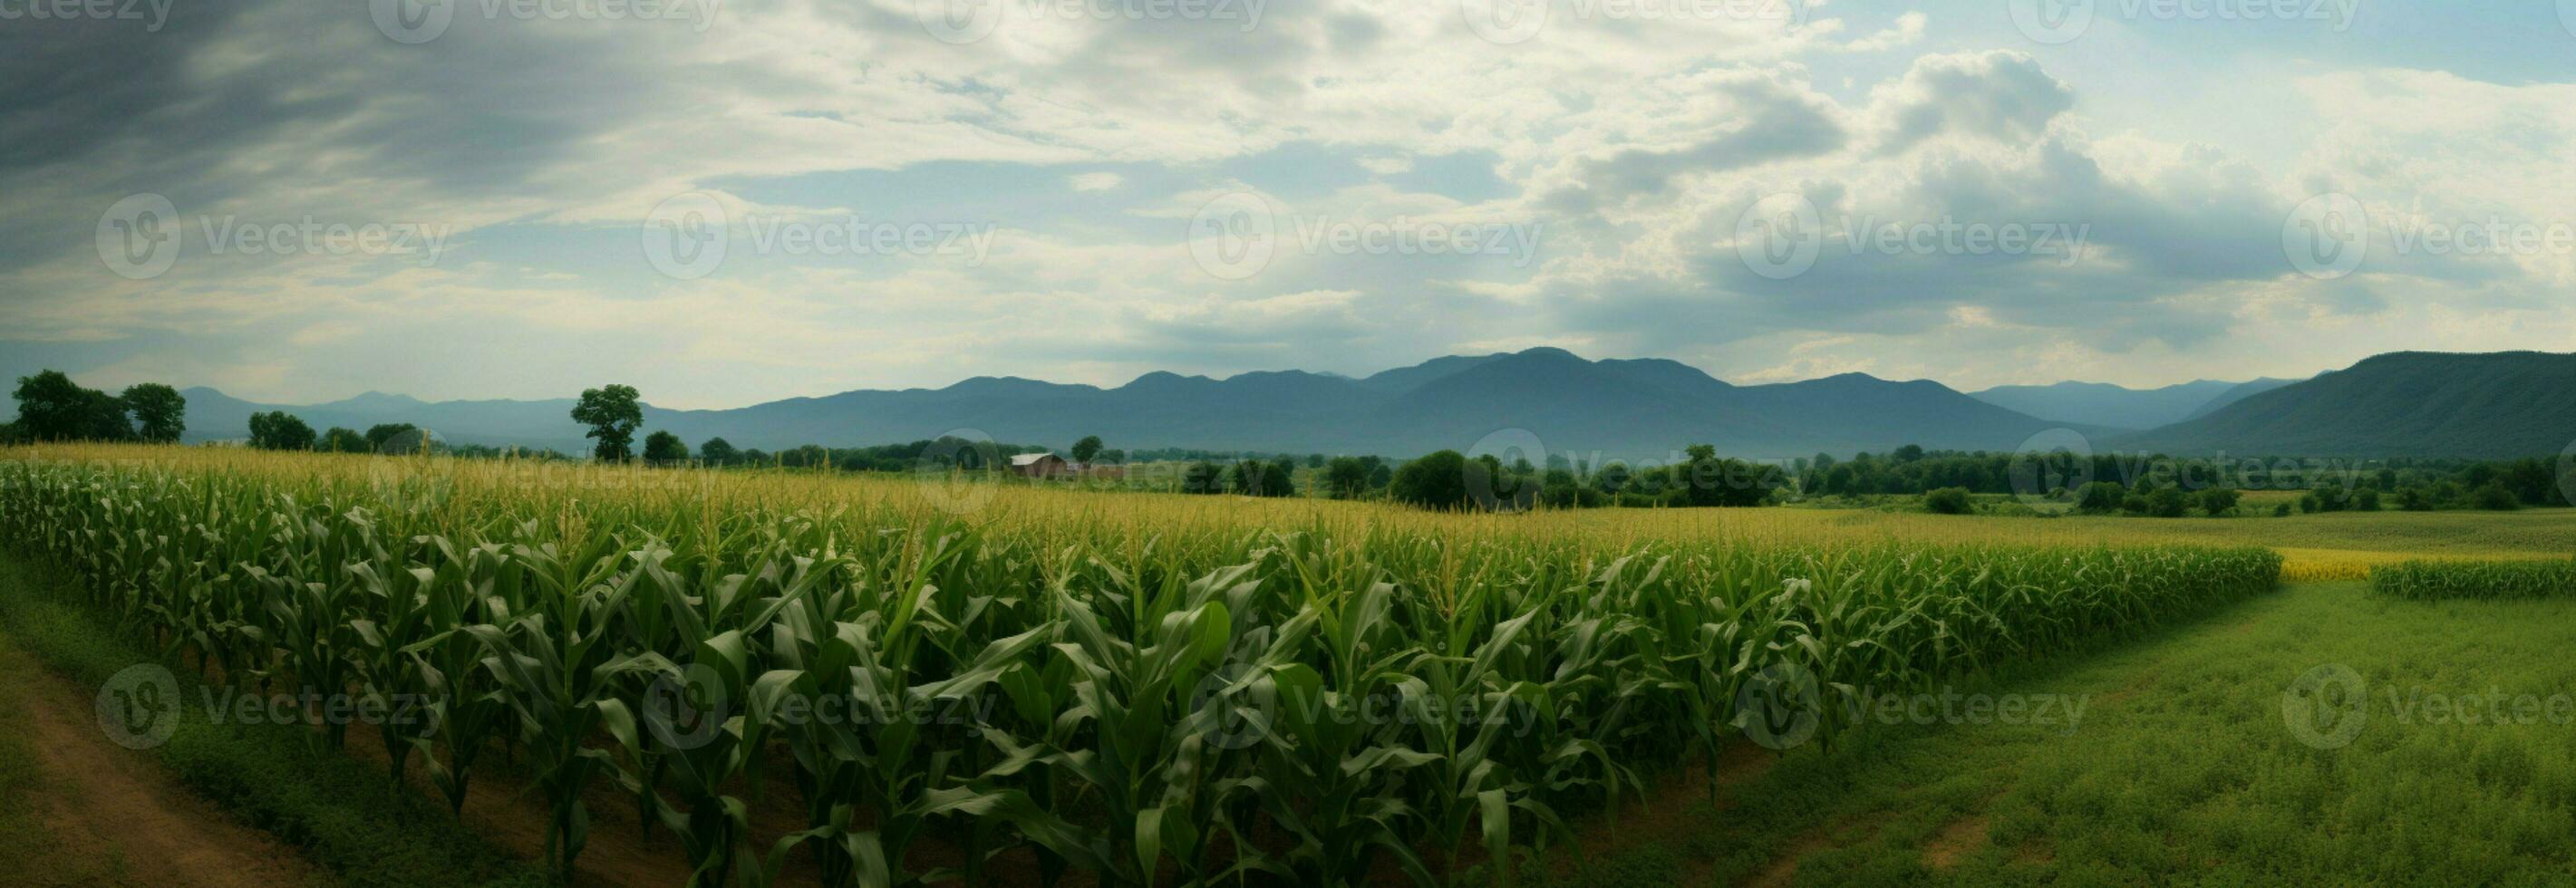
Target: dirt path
pixel 111 815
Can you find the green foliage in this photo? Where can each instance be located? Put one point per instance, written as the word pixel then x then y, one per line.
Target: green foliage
pixel 612 412
pixel 2432 580
pixel 1435 481
pixel 159 410
pixel 719 452
pixel 343 813
pixel 52 408
pixel 1134 703
pixel 664 448
pixel 382 434
pixel 280 431
pixel 1087 449
pixel 2219 501
pixel 1346 477
pixel 340 440
pixel 2101 497
pixel 1947 501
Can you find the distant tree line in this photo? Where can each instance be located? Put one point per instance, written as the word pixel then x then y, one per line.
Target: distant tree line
pixel 2131 483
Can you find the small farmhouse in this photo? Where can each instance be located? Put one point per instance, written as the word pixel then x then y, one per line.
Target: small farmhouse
pixel 1041 465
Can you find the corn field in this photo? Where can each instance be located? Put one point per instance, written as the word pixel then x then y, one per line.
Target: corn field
pixel 1069 690
pixel 2433 580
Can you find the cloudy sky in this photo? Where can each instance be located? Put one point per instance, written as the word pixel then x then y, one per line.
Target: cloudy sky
pixel 729 202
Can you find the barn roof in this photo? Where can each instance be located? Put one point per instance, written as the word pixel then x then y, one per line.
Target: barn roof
pixel 1027 459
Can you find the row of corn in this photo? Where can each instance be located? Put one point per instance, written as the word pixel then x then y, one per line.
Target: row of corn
pixel 940 697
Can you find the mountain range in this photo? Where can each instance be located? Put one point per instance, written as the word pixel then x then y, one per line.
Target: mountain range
pixel 2111 406
pixel 2508 404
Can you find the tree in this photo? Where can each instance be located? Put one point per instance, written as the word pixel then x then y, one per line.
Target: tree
pixel 159 409
pixel 52 408
pixel 612 414
pixel 384 433
pixel 718 452
pixel 1346 477
pixel 2219 500
pixel 280 431
pixel 340 440
pixel 1085 449
pixel 1436 481
pixel 665 448
pixel 1203 477
pixel 1281 477
pixel 1947 501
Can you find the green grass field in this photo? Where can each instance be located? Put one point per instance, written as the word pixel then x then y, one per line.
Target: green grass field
pixel 2185 770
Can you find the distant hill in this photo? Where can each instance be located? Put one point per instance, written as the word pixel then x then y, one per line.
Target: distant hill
pixel 1634 409
pixel 2405 404
pixel 2499 405
pixel 2103 404
pixel 2242 391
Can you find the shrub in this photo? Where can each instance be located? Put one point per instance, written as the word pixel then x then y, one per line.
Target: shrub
pixel 1947 501
pixel 2219 500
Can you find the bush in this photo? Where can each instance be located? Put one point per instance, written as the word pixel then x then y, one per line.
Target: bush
pixel 1436 481
pixel 2168 502
pixel 2101 497
pixel 1947 501
pixel 2219 500
pixel 2281 511
pixel 2495 497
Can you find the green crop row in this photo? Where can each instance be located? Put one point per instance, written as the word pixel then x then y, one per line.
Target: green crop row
pixel 1323 706
pixel 2432 580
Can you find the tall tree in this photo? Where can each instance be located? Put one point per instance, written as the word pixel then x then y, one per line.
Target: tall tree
pixel 1086 448
pixel 159 409
pixel 52 408
pixel 664 447
pixel 612 414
